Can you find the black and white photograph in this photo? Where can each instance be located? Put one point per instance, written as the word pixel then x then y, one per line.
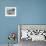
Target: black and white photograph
pixel 29 34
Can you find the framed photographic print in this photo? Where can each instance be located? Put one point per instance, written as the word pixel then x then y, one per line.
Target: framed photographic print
pixel 33 32
pixel 10 11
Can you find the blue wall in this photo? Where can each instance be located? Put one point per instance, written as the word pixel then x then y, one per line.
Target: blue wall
pixel 28 12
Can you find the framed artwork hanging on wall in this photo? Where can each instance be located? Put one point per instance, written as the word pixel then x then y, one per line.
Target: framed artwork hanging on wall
pixel 10 11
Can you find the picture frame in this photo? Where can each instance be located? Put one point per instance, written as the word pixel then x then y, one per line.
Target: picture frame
pixel 10 11
pixel 39 35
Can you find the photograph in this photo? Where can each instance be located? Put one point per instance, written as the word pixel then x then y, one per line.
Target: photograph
pixel 31 33
pixel 10 11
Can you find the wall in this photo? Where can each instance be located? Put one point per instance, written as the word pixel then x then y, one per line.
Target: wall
pixel 28 12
